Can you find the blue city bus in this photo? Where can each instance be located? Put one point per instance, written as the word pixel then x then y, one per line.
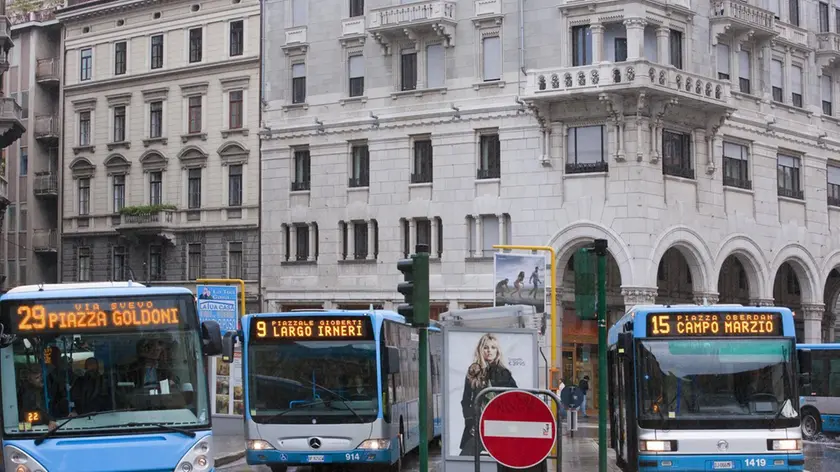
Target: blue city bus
pixel 821 404
pixel 701 388
pixel 334 388
pixel 105 377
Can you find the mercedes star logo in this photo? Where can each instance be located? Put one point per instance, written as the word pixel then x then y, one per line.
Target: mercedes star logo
pixel 314 443
pixel 722 445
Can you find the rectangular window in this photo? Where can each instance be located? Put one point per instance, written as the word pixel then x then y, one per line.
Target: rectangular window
pixel 723 58
pixel 86 64
pixel 620 49
pixel 194 188
pixel 787 168
pixel 833 185
pixel 194 261
pixel 357 8
pixel 744 68
pixel 194 114
pixel 84 196
pixel 356 69
pixel 235 262
pixel 823 12
pixel 155 119
pixel 157 51
pixel 424 232
pixel 235 109
pixel 155 188
pixel 298 83
pixel 119 193
pixel 422 172
pixel 299 12
pixel 11 212
pixel 84 264
pixel 235 185
pixel 119 124
pixel 794 12
pixel 490 162
pixel 676 44
pixel 491 48
pixel 360 172
pixel 301 242
pixel 796 85
pixel 120 57
pixel 408 70
pixel 119 263
pixel 586 150
pixel 24 104
pixel 837 20
pixel 435 66
pixel 237 38
pixel 581 46
pixel 301 181
pixel 360 239
pixel 196 45
pixel 676 154
pixel 776 7
pixel 736 166
pixel 826 92
pixel 24 222
pixel 84 128
pixel 24 161
pixel 155 262
pixel 777 80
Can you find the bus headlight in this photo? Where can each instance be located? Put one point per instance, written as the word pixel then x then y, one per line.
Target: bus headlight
pixel 198 458
pixel 375 444
pixel 785 444
pixel 657 446
pixel 259 445
pixel 18 461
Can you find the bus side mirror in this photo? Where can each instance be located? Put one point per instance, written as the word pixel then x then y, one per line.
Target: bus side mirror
pixel 804 361
pixel 625 345
pixel 228 342
pixel 211 338
pixel 393 360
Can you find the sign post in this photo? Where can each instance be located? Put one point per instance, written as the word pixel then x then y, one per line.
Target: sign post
pixel 518 429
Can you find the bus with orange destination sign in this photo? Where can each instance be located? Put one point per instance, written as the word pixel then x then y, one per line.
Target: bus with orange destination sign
pixel 105 376
pixel 704 388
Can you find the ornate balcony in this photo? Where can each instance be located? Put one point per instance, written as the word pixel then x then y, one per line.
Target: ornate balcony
pixel 11 127
pixel 736 18
pixel 5 42
pixel 828 50
pixel 45 240
pixel 148 222
pixel 47 71
pixel 45 185
pixel 793 36
pixel 46 128
pixel 430 17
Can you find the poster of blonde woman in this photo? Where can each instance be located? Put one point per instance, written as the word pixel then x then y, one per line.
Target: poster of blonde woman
pixel 477 359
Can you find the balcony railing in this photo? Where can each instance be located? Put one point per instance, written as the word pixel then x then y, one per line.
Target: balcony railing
pixel 9 109
pixel 45 240
pixel 791 193
pixel 155 219
pixel 417 12
pixel 46 70
pixel 483 174
pixel 587 167
pixel 300 186
pixel 46 184
pixel 743 13
pixel 46 126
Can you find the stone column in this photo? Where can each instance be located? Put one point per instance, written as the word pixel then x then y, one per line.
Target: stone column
pixel 735 65
pixel 765 77
pixel 479 236
pixel 313 241
pixel 412 235
pixel 663 53
pixel 433 249
pixel 351 241
pixel 638 296
pixel 597 31
pixel 711 298
pixel 293 236
pixel 762 302
pixel 635 38
pixel 812 322
pixel 502 229
pixel 787 81
pixel 371 240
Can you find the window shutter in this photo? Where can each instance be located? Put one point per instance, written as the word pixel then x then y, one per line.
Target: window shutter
pixel 723 57
pixel 834 175
pixel 776 73
pixel 357 66
pixel 744 65
pixel 796 79
pixel 825 87
pixel 298 71
pixel 435 66
pixel 492 57
pixel 299 11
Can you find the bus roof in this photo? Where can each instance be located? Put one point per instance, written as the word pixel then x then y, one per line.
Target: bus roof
pixel 379 315
pixel 89 289
pixel 636 317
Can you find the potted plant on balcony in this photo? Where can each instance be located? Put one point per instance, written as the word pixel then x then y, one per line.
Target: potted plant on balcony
pixel 145 210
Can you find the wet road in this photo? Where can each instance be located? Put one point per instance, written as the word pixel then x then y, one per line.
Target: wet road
pixel 822 456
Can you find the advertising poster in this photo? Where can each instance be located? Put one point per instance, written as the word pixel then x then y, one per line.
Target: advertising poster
pixel 521 280
pixel 476 360
pixel 218 303
pixel 227 389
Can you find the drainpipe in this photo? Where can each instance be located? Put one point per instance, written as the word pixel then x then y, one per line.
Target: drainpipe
pixel 521 5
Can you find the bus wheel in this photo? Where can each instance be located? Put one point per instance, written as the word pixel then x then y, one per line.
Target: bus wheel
pixel 810 424
pixel 397 466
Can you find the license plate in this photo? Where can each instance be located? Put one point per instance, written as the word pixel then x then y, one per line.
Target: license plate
pixel 723 465
pixel 315 459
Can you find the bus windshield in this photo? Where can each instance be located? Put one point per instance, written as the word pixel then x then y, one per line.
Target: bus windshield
pixel 689 383
pixel 306 382
pixel 104 364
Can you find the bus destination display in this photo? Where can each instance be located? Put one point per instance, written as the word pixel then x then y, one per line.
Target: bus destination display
pixel 49 316
pixel 714 324
pixel 311 328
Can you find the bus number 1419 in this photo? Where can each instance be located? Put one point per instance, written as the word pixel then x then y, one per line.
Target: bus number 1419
pixel 755 462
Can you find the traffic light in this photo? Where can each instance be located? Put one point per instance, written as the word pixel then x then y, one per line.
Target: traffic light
pixel 415 287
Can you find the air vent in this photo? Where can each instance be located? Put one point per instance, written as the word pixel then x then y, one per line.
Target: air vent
pixel 156 15
pixel 120 22
pixel 195 7
pixel 86 30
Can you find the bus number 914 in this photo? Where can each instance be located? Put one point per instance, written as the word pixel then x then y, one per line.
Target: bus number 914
pixel 354 456
pixel 755 462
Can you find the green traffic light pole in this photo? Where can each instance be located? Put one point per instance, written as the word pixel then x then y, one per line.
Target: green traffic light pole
pixel 600 249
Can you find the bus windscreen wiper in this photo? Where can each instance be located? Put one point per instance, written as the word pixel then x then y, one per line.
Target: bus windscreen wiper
pixel 778 414
pixel 164 426
pixel 39 440
pixel 340 398
pixel 301 405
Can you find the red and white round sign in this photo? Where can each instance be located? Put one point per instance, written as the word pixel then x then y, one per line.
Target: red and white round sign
pixel 518 429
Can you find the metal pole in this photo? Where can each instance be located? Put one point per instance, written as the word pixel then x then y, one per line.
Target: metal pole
pixel 601 251
pixel 424 399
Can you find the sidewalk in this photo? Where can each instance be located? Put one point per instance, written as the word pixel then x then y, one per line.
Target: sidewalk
pixel 229 448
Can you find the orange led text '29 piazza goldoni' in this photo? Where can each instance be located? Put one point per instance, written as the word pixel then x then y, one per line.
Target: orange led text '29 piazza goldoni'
pixel 91 316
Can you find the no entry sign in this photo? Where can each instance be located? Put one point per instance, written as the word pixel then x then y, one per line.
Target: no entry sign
pixel 517 429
